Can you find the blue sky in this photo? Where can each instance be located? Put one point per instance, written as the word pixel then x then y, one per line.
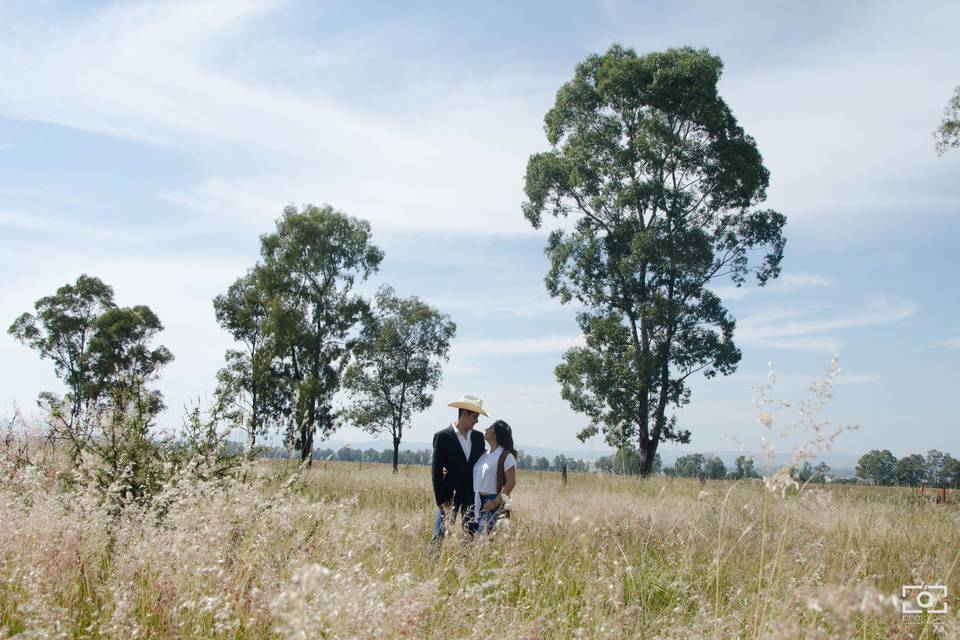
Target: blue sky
pixel 150 144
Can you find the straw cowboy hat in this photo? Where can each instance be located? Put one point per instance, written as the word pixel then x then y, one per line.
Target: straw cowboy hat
pixel 470 403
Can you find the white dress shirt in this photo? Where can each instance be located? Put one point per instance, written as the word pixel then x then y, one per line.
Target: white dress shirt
pixel 485 474
pixel 465 443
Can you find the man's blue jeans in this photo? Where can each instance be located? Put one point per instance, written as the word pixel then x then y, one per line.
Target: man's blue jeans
pixel 468 522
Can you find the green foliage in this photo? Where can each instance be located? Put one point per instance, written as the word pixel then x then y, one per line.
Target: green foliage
pixel 689 466
pixel 247 391
pixel 397 364
pixel 877 467
pixel 910 470
pixel 61 331
pixel 714 468
pixel 947 135
pixel 662 183
pixel 123 362
pixel 941 469
pixel 103 354
pixel 308 269
pixel 821 473
pixel 804 473
pixel 626 461
pixel 744 469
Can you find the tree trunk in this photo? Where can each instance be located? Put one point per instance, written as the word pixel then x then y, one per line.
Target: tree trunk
pixel 306 445
pixel 647 451
pixel 396 455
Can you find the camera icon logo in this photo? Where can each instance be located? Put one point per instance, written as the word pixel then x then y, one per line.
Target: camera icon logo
pixel 919 598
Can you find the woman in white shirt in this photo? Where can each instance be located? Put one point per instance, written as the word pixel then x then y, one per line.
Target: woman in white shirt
pixel 494 475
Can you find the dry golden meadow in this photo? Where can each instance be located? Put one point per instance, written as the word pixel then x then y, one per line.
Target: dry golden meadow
pixel 342 552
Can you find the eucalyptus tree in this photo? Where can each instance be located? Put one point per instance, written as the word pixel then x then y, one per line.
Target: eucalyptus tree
pixel 947 135
pixel 714 468
pixel 104 355
pixel 397 364
pixel 744 468
pixel 308 270
pixel 247 391
pixel 124 361
pixel 661 186
pixel 910 470
pixel 877 467
pixel 689 466
pixel 61 329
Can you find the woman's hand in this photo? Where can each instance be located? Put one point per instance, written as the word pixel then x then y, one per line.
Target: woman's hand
pixel 490 505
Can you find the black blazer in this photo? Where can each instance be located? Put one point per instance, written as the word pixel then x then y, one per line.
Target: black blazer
pixel 448 454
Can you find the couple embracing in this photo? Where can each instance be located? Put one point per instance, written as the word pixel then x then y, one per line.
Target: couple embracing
pixel 473 472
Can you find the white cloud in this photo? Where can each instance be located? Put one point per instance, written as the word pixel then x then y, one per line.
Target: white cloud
pixel 853 379
pixel 813 344
pixel 790 281
pixel 451 158
pixel 830 134
pixel 881 310
pixel 51 226
pixel 953 343
pixel 800 280
pixel 784 330
pixel 507 303
pixel 515 346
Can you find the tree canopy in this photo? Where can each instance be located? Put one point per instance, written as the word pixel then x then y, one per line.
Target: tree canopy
pixel 661 185
pixel 947 135
pixel 397 364
pixel 307 273
pixel 247 390
pixel 61 330
pixel 105 356
pixel 877 467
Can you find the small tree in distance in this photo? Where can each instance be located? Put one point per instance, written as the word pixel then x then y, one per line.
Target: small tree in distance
pixel 744 469
pixel 714 468
pixel 877 467
pixel 397 365
pixel 247 392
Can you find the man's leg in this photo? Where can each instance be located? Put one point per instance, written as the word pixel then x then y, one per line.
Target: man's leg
pixel 439 525
pixel 464 504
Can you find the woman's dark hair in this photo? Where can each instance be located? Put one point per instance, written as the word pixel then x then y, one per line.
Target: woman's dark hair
pixel 504 435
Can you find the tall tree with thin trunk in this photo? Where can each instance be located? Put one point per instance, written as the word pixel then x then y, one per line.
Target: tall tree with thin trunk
pixel 308 270
pixel 397 365
pixel 662 186
pixel 247 392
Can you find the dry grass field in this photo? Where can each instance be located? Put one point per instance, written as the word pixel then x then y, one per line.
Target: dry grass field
pixel 342 552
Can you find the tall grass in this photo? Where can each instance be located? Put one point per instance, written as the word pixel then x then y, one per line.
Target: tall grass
pixel 339 552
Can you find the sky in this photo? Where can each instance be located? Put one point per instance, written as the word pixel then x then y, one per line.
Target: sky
pixel 152 144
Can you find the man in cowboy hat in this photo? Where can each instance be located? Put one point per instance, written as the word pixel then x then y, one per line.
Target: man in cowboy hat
pixel 455 450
